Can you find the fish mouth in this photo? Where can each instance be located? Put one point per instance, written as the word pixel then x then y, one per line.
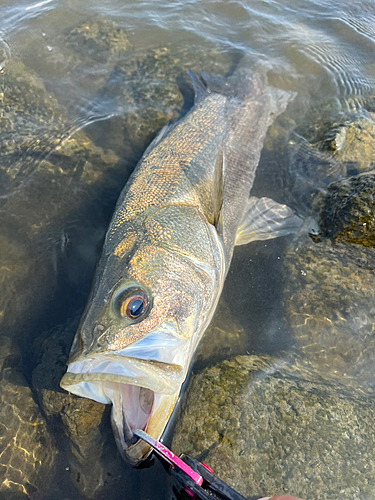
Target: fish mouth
pixel 143 394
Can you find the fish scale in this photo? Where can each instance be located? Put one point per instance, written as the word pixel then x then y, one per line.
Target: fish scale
pixel 163 168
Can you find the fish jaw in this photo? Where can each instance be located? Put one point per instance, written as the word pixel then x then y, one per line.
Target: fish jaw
pixel 139 451
pixel 143 394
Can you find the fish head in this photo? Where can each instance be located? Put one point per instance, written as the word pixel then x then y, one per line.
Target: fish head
pixel 146 313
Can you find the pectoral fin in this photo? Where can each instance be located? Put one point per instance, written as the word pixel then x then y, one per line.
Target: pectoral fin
pixel 265 219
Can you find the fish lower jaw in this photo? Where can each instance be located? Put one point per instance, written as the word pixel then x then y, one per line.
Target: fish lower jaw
pixel 139 399
pixel 127 417
pixel 132 408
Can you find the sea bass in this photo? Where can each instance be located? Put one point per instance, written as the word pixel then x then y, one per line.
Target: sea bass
pixel 167 252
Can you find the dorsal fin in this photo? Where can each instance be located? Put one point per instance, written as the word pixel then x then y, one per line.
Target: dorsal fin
pixel 214 83
pixel 200 89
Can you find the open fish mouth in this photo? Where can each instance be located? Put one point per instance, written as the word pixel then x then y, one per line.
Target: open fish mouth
pixel 143 394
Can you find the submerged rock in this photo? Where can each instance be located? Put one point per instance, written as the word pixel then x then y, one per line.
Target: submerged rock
pixel 329 273
pixel 79 422
pixel 51 177
pixel 333 146
pixel 143 93
pixel 74 59
pixel 224 337
pixel 353 142
pixel 329 283
pixel 329 300
pixel 346 210
pixel 27 452
pixel 97 39
pixel 127 95
pixel 53 218
pixel 267 427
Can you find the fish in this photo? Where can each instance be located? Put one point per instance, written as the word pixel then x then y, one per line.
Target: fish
pixel 167 252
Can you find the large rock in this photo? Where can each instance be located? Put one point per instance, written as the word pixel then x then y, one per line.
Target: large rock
pixel 126 94
pixel 329 283
pixel 329 301
pixel 78 421
pixel 267 426
pixel 51 178
pixel 74 59
pixel 352 142
pixel 27 452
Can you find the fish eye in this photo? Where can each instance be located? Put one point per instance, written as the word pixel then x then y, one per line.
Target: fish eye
pixel 133 304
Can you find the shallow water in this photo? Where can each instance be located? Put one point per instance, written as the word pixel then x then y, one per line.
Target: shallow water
pixel 118 85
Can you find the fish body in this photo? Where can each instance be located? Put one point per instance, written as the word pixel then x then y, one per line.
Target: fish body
pixel 167 252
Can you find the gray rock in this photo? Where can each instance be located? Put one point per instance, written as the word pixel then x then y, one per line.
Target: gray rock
pixel 267 426
pixel 82 424
pixel 27 452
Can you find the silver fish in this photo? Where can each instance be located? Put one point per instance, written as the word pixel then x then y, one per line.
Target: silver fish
pixel 168 250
